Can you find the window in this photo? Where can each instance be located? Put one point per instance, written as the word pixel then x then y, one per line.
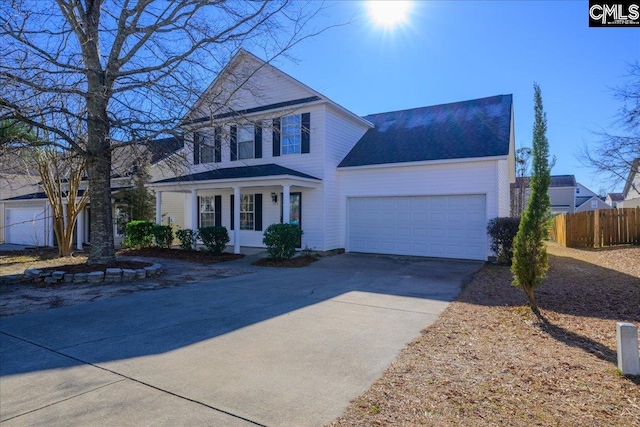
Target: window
pixel 206 153
pixel 203 152
pixel 291 134
pixel 207 212
pixel 247 212
pixel 246 142
pixel 594 204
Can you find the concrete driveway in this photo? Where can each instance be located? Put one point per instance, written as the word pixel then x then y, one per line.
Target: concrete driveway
pixel 274 347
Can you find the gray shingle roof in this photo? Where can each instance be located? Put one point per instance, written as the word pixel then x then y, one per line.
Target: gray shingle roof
pixel 616 197
pixel 256 171
pixel 556 181
pixel 562 181
pixel 476 128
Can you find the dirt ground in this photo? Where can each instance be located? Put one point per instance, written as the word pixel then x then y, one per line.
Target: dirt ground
pixel 18 296
pixel 487 361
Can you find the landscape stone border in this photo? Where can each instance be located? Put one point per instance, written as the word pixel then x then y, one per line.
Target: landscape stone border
pixel 110 275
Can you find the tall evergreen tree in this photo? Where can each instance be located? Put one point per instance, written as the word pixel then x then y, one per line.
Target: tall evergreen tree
pixel 530 260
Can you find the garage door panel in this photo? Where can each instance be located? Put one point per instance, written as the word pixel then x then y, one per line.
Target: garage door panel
pixel 25 226
pixel 437 226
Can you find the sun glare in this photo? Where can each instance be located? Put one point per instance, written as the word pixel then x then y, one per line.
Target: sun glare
pixel 388 13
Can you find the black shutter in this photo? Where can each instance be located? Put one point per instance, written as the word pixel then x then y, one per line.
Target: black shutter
pixel 196 148
pixel 198 215
pixel 232 211
pixel 306 140
pixel 217 144
pixel 276 137
pixel 233 142
pixel 218 210
pixel 257 204
pixel 257 141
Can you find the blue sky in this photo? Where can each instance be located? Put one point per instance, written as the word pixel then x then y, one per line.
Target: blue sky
pixel 449 51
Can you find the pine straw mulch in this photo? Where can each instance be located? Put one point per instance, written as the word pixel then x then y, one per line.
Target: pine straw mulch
pixel 295 262
pixel 180 254
pixel 487 361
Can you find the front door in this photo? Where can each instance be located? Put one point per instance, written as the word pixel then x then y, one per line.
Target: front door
pixel 295 211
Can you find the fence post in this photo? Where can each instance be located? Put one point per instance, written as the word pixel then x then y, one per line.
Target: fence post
pixel 627 340
pixel 596 228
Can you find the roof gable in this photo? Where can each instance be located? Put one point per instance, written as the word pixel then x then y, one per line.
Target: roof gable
pixel 467 129
pixel 249 85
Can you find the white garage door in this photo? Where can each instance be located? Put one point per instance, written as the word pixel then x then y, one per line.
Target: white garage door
pixel 25 226
pixel 433 226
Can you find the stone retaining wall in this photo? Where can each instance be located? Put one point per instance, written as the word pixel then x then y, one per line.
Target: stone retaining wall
pixel 110 275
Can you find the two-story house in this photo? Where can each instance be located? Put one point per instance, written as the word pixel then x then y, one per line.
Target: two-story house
pixel 631 192
pixel 565 194
pixel 423 181
pixel 26 216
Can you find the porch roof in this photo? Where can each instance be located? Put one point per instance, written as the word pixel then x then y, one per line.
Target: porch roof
pixel 270 170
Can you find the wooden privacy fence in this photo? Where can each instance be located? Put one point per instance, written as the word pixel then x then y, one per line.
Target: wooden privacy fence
pixel 598 228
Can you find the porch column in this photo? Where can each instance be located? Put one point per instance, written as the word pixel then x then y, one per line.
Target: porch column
pixel 236 220
pixel 194 210
pixel 64 215
pixel 79 230
pixel 51 235
pixel 159 207
pixel 286 204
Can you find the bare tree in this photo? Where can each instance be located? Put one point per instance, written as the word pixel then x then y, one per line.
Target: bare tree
pixel 519 197
pixel 613 155
pixel 61 175
pixel 127 71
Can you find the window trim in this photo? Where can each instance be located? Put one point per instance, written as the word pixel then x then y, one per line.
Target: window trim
pixel 284 135
pixel 250 129
pixel 251 212
pixel 212 212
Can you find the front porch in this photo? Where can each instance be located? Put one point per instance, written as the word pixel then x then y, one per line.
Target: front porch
pixel 245 205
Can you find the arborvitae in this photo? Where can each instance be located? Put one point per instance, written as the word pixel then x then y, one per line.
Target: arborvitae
pixel 530 261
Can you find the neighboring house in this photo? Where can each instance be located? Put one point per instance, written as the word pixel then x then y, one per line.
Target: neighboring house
pixel 565 194
pixel 15 181
pixel 631 192
pixel 613 199
pixel 587 200
pixel 423 181
pixel 26 215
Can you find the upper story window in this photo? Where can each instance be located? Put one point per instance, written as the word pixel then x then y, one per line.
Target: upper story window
pixel 204 149
pixel 291 134
pixel 291 130
pixel 246 142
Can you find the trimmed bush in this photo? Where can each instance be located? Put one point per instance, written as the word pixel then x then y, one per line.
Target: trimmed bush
pixel 214 239
pixel 163 235
pixel 503 231
pixel 139 234
pixel 281 240
pixel 187 239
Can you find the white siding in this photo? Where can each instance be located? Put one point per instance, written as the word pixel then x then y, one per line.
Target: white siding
pixel 246 84
pixel 341 136
pixel 310 163
pixel 562 199
pixel 504 192
pixel 592 204
pixel 311 220
pixel 464 178
pixel 173 205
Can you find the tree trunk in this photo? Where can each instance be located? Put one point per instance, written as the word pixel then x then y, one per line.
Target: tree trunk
pixel 99 170
pixel 531 296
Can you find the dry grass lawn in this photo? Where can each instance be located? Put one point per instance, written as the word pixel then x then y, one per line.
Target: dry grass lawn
pixel 488 362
